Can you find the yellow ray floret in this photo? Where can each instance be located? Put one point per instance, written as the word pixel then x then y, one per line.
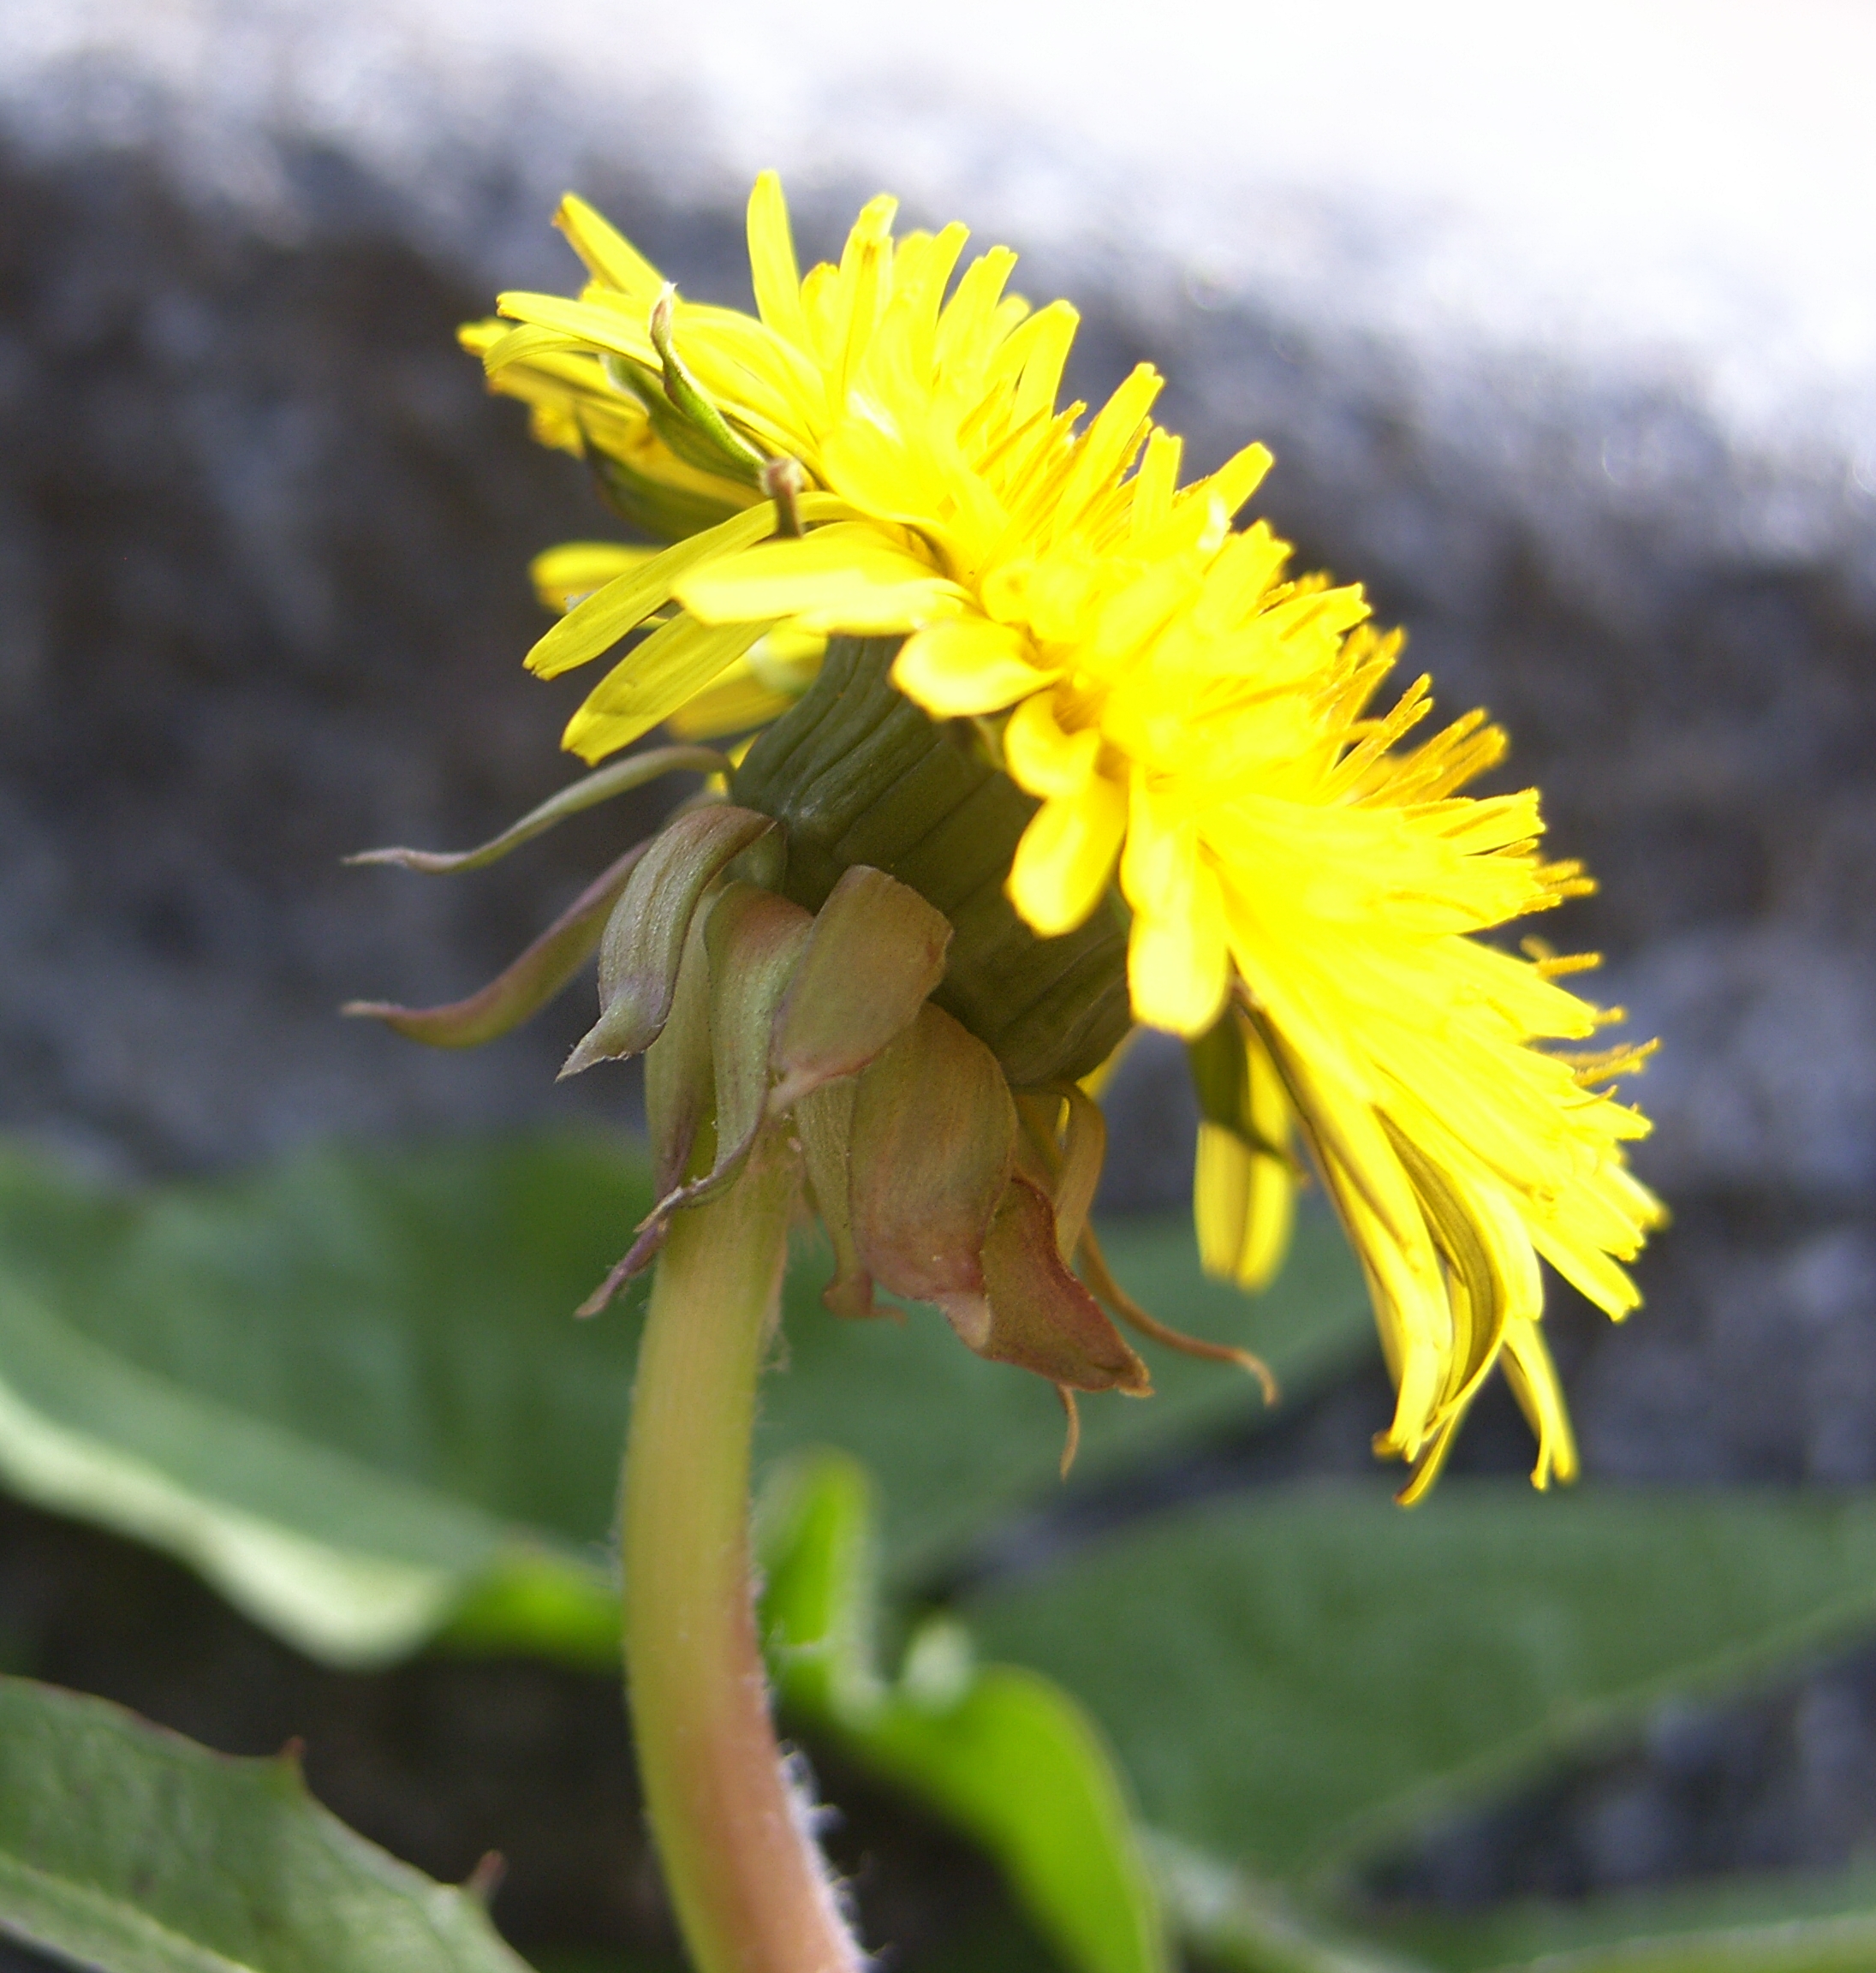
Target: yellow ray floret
pixel 880 450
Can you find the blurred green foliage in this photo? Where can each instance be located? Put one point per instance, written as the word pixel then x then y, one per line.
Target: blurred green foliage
pixel 127 1847
pixel 349 1391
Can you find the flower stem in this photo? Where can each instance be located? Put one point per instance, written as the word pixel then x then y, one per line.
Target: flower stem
pixel 749 1886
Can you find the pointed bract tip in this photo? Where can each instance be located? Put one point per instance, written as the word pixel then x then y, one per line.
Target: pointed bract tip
pixel 636 1259
pixel 585 1055
pixel 785 482
pixel 485 1880
pixel 787 1089
pixel 431 862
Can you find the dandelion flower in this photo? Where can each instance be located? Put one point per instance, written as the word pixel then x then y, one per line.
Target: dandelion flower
pixel 1133 768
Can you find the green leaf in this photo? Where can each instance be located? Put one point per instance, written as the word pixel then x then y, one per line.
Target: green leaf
pixel 1770 1924
pixel 130 1850
pixel 1233 1922
pixel 1000 1751
pixel 348 1389
pixel 1294 1676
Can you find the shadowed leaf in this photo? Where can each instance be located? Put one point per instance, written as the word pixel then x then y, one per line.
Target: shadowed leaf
pixel 347 1389
pixel 131 1850
pixel 1238 1924
pixel 1298 1675
pixel 1784 1924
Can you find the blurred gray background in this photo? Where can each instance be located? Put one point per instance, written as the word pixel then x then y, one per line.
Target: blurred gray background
pixel 1562 329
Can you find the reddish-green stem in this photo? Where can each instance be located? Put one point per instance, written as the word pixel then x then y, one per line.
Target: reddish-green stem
pixel 750 1889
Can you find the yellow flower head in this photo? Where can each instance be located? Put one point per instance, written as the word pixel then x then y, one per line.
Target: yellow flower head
pixel 879 451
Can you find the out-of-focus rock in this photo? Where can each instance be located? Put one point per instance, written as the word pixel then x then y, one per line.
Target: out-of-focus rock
pixel 265 540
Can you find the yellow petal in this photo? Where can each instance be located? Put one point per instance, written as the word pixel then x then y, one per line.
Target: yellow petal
pixel 1043 759
pixel 1272 1213
pixel 1035 354
pixel 1239 477
pixel 608 255
pixel 852 577
pixel 1273 1179
pixel 1110 441
pixel 555 427
pixel 1066 856
pixel 1177 959
pixel 562 575
pixel 1244 1182
pixel 1242 1208
pixel 967 665
pixel 599 622
pixel 1095 1083
pixel 842 304
pixel 735 701
pixel 787 659
pixel 573 324
pixel 668 669
pixel 1130 618
pixel 1155 481
pixel 772 266
pixel 967 325
pixel 1221 1198
pixel 1177 965
pixel 1533 1378
pixel 529 343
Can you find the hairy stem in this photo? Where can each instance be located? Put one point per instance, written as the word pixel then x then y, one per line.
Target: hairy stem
pixel 749 1886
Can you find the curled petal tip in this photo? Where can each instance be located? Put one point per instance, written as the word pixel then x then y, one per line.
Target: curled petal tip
pixel 1071 1441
